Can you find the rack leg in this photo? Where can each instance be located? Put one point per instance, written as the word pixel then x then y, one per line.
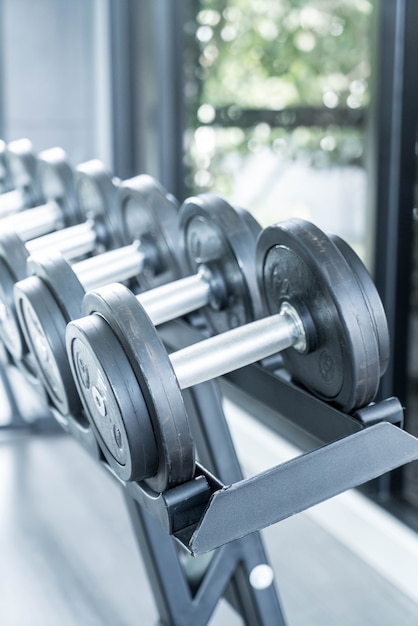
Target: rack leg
pixel 188 589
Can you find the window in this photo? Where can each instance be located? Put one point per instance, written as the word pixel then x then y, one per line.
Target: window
pixel 277 92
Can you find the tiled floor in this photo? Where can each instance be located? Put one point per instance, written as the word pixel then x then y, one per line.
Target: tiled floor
pixel 68 555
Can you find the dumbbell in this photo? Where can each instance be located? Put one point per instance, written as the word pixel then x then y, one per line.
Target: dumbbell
pixel 52 295
pixel 214 232
pixel 55 178
pixel 331 331
pixel 96 196
pixel 21 165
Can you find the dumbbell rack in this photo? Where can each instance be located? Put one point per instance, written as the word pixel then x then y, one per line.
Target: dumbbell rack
pixel 181 599
pixel 184 598
pixel 22 410
pixel 219 510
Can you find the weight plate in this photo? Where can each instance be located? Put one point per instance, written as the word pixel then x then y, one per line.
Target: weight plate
pixel 139 355
pixel 150 216
pixel 297 262
pixel 22 165
pixel 372 298
pixel 108 402
pixel 13 255
pixel 223 239
pixel 45 303
pixel 96 195
pixel 56 181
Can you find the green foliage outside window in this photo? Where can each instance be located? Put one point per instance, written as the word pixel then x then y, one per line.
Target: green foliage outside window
pixel 275 55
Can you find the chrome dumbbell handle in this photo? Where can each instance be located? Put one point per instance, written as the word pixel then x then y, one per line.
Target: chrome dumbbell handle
pixel 241 346
pixel 10 202
pixel 72 242
pixel 177 298
pixel 113 266
pixel 45 218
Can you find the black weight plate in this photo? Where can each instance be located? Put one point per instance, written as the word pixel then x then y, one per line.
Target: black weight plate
pixel 144 354
pixel 96 194
pixel 22 164
pixel 150 215
pixel 56 180
pixel 13 256
pixel 114 406
pixel 223 238
pixel 372 298
pixel 297 262
pixel 45 303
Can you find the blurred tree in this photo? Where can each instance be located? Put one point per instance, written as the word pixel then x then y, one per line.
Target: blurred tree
pixel 283 63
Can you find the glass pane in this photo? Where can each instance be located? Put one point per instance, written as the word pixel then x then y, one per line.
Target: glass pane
pixel 411 470
pixel 54 75
pixel 277 91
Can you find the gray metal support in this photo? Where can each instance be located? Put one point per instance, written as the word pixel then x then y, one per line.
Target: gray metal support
pixel 2 120
pixel 147 90
pixel 393 125
pixel 168 19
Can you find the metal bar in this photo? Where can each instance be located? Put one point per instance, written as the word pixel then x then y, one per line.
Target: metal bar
pixel 113 266
pixel 234 349
pixel 166 21
pixel 176 299
pixel 124 79
pixel 72 242
pixel 146 47
pixel 292 487
pixel 160 559
pixel 319 419
pixel 34 222
pixel 291 117
pixel 103 88
pixel 11 202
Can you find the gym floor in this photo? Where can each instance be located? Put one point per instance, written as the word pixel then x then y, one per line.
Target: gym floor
pixel 69 555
